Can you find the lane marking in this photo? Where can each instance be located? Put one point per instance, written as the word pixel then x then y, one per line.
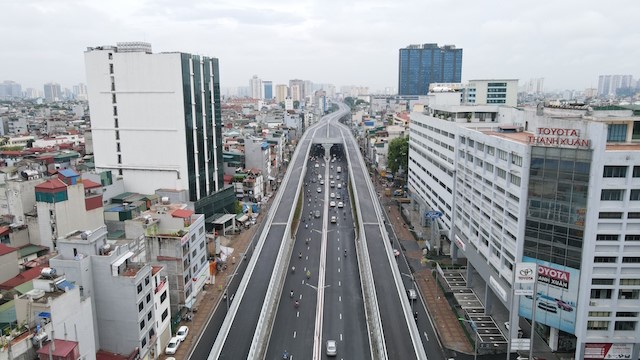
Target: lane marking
pixel 425 336
pixel 338 270
pixel 340 298
pixel 341 337
pixel 340 316
pixel 294 334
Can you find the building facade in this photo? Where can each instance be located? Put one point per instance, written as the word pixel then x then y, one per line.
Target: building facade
pixel 556 187
pixel 267 89
pixel 494 91
pixel 255 86
pixel 420 65
pixel 156 119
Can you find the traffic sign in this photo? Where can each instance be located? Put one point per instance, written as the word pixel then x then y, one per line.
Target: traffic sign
pixel 432 214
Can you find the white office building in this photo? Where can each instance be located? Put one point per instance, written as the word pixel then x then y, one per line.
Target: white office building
pixel 557 187
pixel 155 118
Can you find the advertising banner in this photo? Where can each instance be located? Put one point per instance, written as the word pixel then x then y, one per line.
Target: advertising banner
pixel 556 298
pixel 607 351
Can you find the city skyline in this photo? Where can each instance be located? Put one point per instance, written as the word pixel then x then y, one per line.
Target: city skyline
pixel 345 44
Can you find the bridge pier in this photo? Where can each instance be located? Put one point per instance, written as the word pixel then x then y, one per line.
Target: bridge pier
pixel 327 151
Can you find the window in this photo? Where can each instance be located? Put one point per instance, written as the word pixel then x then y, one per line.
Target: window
pixel 630 259
pixel 626 314
pixel 118 147
pixel 110 56
pixel 601 293
pixel 615 172
pixel 624 294
pixel 502 154
pixel 139 288
pixel 165 314
pixel 611 194
pixel 632 238
pixel 617 132
pixel 625 325
pixel 488 167
pixel 149 315
pixel 115 123
pixel 605 259
pixel 117 135
pixel 491 150
pixel 602 281
pixel 630 282
pixel 633 215
pixel 610 215
pixel 140 306
pixel 607 237
pixel 516 160
pixel 636 171
pixel 110 68
pixel 143 343
pixel 115 111
pixel 163 297
pixel 146 281
pixel 148 297
pixel 597 325
pixel 599 313
pixel 119 159
pixel 634 195
pixel 514 179
pixel 113 98
pixel 501 173
pixel 141 324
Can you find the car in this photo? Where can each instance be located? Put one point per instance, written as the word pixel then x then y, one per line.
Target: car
pixel 172 346
pixel 313 180
pixel 321 182
pixel 332 203
pixel 396 253
pixel 330 177
pixel 332 348
pixel 339 186
pixel 412 294
pixel 332 195
pixel 334 219
pixel 317 213
pixel 340 204
pixel 317 165
pixel 332 183
pixel 338 196
pixel 337 177
pixel 319 189
pixel 182 333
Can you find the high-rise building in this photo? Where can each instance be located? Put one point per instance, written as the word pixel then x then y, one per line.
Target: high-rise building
pixel 421 65
pixel 255 86
pixel 52 92
pixel 299 93
pixel 10 90
pixel 494 91
pixel 268 89
pixel 608 84
pixel 80 91
pixel 156 121
pixel 281 92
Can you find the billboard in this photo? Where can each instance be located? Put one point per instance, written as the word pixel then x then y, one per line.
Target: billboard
pixel 607 351
pixel 556 298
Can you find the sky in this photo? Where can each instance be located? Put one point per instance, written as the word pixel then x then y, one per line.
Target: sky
pixel 342 42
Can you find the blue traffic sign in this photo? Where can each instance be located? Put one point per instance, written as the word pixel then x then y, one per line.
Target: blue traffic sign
pixel 432 214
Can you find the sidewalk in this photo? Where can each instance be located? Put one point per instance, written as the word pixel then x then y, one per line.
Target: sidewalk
pixel 210 296
pixel 451 333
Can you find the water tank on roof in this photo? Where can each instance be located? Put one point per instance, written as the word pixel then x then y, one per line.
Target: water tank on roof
pixel 49 273
pixel 85 235
pixel 165 200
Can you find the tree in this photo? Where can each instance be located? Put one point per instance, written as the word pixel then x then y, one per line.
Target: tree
pixel 398 155
pixel 296 104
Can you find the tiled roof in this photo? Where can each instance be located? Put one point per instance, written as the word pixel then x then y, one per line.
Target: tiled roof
pixel 22 278
pixel 88 184
pixel 182 213
pixel 4 249
pixel 52 184
pixel 62 349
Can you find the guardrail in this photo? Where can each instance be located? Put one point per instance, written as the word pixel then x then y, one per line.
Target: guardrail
pixel 374 323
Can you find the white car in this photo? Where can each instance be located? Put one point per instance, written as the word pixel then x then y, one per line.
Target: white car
pixel 182 332
pixel 332 348
pixel 332 195
pixel 317 165
pixel 319 189
pixel 334 219
pixel 332 203
pixel 340 204
pixel 172 346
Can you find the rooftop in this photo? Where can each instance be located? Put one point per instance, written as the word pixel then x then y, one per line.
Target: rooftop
pixel 63 348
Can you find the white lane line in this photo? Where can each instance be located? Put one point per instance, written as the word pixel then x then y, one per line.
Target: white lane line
pixel 338 269
pixel 294 334
pixel 340 316
pixel 298 314
pixel 339 283
pixel 425 335
pixel 340 298
pixel 340 336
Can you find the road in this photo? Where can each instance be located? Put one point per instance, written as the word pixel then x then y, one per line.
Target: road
pixel 331 299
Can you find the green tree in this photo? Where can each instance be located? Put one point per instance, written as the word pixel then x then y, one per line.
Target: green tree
pixel 398 155
pixel 238 207
pixel 349 101
pixel 296 104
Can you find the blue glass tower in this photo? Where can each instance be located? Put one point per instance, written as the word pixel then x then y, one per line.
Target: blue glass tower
pixel 421 65
pixel 268 89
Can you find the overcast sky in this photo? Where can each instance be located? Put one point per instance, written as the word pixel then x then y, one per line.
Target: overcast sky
pixel 343 42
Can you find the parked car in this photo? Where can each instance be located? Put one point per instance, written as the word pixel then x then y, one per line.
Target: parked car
pixel 412 294
pixel 182 333
pixel 172 346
